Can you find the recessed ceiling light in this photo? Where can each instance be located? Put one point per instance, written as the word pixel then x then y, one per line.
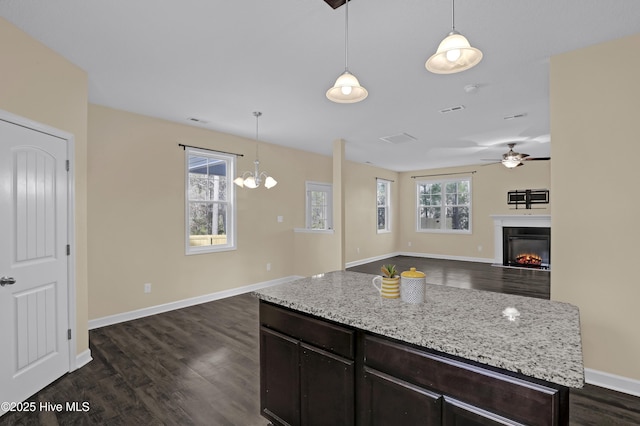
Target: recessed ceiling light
pixel 398 138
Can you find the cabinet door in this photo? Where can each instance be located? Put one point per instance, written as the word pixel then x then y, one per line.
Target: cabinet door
pixel 327 387
pixel 457 413
pixel 279 378
pixel 391 401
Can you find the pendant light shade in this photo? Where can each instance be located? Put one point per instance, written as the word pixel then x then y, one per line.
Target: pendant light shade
pixel 347 89
pixel 454 53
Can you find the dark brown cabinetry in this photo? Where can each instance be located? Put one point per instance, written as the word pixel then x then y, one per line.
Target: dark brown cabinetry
pixel 307 373
pixel 317 372
pixel 387 400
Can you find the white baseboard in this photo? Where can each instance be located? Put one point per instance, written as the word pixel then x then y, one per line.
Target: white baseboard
pixel 613 382
pixel 83 358
pixel 449 257
pixel 426 255
pixel 370 259
pixel 152 310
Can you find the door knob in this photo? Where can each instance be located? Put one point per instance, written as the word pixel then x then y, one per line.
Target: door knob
pixel 7 281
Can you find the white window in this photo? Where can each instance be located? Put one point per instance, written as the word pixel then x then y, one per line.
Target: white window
pixel 210 197
pixel 319 206
pixel 383 205
pixel 444 205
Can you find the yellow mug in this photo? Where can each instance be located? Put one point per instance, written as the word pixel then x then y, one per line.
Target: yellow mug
pixel 387 287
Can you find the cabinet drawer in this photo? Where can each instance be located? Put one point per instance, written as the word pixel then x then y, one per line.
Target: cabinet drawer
pixel 499 393
pixel 327 336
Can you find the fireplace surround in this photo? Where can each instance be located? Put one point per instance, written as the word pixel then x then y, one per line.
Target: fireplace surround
pixel 533 232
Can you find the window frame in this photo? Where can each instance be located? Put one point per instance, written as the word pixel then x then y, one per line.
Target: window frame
pixel 231 227
pixel 319 187
pixel 443 206
pixel 386 206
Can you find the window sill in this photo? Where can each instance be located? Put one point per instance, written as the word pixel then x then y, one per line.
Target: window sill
pixel 384 231
pixel 312 231
pixel 209 249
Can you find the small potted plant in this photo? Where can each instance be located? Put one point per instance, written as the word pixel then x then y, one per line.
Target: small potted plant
pixel 389 271
pixel 390 285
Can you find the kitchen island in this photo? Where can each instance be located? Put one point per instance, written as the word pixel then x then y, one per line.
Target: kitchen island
pixel 331 346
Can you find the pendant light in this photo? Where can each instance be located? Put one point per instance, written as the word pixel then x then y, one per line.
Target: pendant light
pixel 347 89
pixel 454 53
pixel 253 179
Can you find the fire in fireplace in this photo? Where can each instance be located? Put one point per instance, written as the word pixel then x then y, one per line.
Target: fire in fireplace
pixel 528 259
pixel 527 247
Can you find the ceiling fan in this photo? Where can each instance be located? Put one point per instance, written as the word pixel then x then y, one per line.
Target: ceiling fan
pixel 513 159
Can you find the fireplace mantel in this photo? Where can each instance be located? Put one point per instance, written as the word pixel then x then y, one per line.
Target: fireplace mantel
pixel 500 221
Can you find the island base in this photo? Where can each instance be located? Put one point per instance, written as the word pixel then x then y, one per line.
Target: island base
pixel 314 371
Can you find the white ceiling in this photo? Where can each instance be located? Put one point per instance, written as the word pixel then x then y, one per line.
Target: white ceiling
pixel 219 61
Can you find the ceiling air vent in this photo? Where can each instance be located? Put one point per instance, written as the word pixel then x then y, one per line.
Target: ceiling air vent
pixel 452 109
pixel 197 120
pixel 512 117
pixel 399 138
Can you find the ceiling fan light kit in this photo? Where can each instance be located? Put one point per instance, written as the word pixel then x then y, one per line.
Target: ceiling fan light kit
pixel 347 88
pixel 454 53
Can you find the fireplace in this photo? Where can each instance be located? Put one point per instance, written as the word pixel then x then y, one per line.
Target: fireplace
pixel 532 248
pixel 526 247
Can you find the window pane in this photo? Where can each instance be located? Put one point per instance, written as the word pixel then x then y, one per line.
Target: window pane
pixel 430 217
pixel 382 218
pixel 318 217
pixel 452 187
pixel 207 179
pixel 382 193
pixel 198 187
pixel 430 194
pixel 452 199
pixel 207 224
pixel 457 218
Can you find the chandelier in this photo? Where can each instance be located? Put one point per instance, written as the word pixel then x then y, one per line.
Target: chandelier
pixel 253 179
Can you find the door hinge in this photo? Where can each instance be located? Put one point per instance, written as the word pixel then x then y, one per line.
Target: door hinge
pixel 69 334
pixel 67 166
pixel 68 249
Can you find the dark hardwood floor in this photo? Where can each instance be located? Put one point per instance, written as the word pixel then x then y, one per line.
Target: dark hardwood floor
pixel 200 365
pixel 479 276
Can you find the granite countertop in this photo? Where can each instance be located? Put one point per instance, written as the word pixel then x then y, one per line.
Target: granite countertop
pixel 543 342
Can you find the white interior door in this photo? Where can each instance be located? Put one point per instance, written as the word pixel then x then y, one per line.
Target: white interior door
pixel 34 349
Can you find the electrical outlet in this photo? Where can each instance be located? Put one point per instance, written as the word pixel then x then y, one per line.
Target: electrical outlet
pixel 280 219
pixel 409 243
pixel 479 248
pixel 147 288
pixel 358 250
pixel 269 266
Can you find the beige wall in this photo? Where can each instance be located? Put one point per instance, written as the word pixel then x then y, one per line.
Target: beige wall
pixel 595 109
pixel 136 214
pixel 490 184
pixel 38 84
pixel 362 239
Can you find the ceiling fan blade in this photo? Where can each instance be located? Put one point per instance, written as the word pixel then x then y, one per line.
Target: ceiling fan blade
pixel 537 159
